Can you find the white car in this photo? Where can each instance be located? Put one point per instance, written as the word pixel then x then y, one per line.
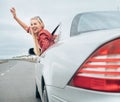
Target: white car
pixel 86 66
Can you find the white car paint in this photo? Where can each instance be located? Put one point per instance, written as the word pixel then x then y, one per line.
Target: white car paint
pixel 59 63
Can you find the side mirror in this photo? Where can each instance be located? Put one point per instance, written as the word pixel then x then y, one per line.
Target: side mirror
pixel 31 51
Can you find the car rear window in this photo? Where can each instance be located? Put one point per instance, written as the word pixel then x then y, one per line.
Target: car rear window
pixel 86 22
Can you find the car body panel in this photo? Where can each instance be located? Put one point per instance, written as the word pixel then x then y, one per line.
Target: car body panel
pixel 80 95
pixel 60 64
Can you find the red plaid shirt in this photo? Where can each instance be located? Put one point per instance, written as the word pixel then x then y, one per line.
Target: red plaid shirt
pixel 45 39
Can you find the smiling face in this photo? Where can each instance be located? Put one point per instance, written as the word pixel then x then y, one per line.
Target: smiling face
pixel 36 25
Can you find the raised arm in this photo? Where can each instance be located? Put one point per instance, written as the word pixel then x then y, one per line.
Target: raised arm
pixel 20 22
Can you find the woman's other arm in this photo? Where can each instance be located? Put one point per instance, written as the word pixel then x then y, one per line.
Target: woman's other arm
pixel 37 50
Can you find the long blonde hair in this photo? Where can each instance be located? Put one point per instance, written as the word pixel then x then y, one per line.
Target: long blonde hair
pixel 39 20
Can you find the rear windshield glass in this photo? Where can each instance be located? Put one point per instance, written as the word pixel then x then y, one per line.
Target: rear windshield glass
pixel 86 22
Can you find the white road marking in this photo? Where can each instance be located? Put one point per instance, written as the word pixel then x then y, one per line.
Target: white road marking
pixel 2 74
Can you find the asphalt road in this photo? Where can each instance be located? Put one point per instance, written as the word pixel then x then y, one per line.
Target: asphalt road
pixel 17 82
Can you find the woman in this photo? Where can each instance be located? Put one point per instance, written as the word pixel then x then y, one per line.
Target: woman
pixel 42 38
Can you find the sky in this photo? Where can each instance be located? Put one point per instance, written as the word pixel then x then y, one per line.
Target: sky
pixel 14 41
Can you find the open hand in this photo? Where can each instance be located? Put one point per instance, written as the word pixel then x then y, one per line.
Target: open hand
pixel 13 11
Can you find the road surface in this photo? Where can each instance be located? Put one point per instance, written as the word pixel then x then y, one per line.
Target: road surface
pixel 17 82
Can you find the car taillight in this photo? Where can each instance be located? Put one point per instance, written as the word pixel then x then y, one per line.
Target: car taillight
pixel 101 71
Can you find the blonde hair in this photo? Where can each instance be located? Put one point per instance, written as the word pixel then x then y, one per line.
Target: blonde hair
pixel 39 20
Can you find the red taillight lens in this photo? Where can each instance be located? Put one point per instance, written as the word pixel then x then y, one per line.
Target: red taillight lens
pixel 102 69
